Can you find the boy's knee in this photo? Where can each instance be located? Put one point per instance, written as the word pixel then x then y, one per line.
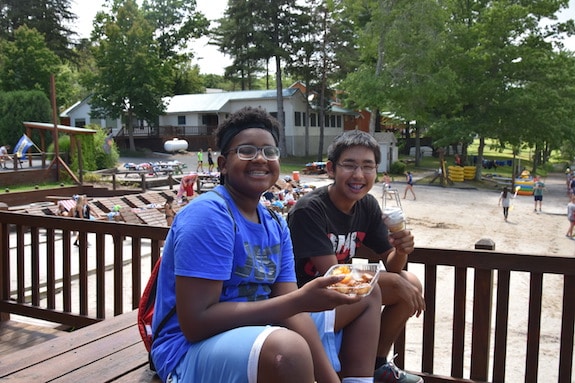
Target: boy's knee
pixel 285 351
pixel 412 278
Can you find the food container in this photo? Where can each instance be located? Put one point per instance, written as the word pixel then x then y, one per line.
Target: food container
pixel 359 279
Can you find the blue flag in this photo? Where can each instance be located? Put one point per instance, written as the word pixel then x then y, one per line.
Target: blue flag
pixel 22 147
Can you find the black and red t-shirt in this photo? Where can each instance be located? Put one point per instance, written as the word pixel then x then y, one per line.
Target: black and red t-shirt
pixel 318 228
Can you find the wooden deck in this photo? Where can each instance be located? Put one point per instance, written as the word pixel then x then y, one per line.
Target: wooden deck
pixel 107 351
pixel 467 324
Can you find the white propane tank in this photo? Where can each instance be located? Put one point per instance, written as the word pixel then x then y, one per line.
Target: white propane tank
pixel 175 145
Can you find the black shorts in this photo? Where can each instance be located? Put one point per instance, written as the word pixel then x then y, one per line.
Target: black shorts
pixel 538 197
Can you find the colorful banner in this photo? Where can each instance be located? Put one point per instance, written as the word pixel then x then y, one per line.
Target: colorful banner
pixel 22 147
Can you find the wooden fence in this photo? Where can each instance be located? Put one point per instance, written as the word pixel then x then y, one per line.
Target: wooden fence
pixel 44 278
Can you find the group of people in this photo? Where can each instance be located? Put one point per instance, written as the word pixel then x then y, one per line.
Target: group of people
pixel 200 160
pixel 506 197
pixel 249 291
pixel 409 182
pixel 279 199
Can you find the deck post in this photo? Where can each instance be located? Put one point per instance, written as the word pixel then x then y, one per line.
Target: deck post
pixel 481 328
pixel 4 279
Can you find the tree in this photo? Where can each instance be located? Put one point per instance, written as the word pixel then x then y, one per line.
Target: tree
pixel 503 57
pixel 19 106
pixel 131 77
pixel 458 67
pixel 175 22
pixel 261 30
pixel 188 80
pixel 26 63
pixel 51 18
pixel 237 38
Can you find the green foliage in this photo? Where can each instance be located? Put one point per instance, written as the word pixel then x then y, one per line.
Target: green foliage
pixel 397 167
pixel 51 18
pixel 19 106
pixel 27 63
pixel 130 75
pixel 188 80
pixel 98 150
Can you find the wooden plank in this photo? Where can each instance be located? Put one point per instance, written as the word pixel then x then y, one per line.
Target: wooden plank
pixel 107 367
pixel 16 335
pixel 38 354
pixel 61 362
pixel 142 374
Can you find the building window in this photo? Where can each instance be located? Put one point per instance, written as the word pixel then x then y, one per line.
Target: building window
pixel 297 118
pixel 181 120
pixel 80 122
pixel 338 122
pixel 313 119
pixel 205 119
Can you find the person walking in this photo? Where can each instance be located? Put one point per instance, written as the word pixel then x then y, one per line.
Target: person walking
pixel 505 201
pixel 538 188
pixel 200 167
pixel 210 161
pixel 571 216
pixel 409 186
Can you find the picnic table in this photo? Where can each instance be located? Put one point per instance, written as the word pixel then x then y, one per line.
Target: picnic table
pixel 314 168
pixel 207 181
pixel 154 168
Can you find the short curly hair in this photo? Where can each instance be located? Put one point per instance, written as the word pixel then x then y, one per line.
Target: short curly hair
pixel 245 118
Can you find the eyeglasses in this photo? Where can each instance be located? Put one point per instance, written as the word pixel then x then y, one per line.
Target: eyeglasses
pixel 249 152
pixel 350 167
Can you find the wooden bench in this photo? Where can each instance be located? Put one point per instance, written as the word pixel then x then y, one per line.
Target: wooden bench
pixel 111 350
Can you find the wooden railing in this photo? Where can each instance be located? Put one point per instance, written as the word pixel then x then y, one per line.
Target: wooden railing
pixel 469 296
pixel 43 275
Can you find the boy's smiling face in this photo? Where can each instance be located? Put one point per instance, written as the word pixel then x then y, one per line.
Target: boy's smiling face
pixel 351 186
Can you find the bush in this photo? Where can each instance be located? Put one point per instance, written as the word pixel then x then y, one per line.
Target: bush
pixel 98 150
pixel 398 167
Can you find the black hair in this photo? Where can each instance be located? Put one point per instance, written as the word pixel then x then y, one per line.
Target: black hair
pixel 505 190
pixel 351 138
pixel 242 119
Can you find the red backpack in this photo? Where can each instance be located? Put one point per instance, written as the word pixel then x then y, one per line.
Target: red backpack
pixel 146 309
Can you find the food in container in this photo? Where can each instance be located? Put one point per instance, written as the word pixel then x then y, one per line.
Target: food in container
pixel 359 278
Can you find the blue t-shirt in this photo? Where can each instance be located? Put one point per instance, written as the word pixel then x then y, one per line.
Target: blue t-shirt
pixel 202 243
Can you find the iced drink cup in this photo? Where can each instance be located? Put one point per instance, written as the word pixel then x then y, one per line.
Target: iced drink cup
pixel 394 219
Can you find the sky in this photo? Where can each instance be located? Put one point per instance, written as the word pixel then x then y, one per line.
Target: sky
pixel 209 59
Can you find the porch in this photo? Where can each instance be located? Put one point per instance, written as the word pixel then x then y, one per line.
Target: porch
pixel 44 277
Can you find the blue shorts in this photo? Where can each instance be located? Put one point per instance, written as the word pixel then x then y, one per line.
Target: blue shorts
pixel 538 198
pixel 331 340
pixel 230 357
pixel 224 357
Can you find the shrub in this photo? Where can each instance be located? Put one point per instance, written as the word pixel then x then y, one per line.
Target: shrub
pixel 398 167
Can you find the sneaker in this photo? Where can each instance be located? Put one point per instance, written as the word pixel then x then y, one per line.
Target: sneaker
pixel 390 373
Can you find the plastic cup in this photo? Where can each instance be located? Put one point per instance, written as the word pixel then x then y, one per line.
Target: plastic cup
pixel 394 219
